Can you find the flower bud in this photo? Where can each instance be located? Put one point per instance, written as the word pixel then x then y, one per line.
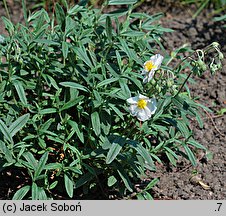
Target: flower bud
pixel 169 83
pixel 153 82
pixel 215 44
pixel 202 66
pixel 221 56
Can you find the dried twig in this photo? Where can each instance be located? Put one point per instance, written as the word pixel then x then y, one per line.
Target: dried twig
pixel 211 118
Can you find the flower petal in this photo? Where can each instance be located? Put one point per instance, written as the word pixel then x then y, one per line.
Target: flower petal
pixel 140 96
pixel 143 114
pixel 133 110
pixel 152 106
pixel 151 74
pixel 145 80
pixel 133 100
pixel 157 60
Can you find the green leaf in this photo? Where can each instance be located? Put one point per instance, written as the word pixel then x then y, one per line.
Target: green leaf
pixel 30 159
pixel 106 82
pixel 7 153
pixel 82 54
pixel 74 170
pixel 116 110
pixel 143 152
pixel 109 28
pixel 69 185
pixel 75 127
pixel 50 81
pixel 48 111
pixel 125 178
pixel 41 142
pixel 171 158
pixel 65 49
pixel 34 191
pixel 74 10
pixel 20 91
pixel 189 154
pixel 42 194
pixel 53 166
pixel 71 103
pixel 24 11
pixel 41 164
pixel 183 129
pixel 147 196
pixel 171 155
pixel 74 85
pixel 95 119
pixel 84 179
pixel 47 42
pixel 53 185
pixel 115 148
pixel 18 124
pixel 21 193
pixel 111 181
pixel 5 131
pixel 196 144
pixel 120 2
pixel 60 15
pixel 8 25
pixel 152 184
pixel 130 52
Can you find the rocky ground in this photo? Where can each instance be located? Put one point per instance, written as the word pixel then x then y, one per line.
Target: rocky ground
pixel 175 183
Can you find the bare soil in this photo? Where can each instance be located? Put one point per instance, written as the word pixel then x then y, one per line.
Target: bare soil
pixel 175 182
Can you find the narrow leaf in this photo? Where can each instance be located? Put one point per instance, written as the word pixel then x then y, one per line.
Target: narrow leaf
pixel 190 154
pixel 69 185
pixel 106 82
pixel 75 127
pixel 71 103
pixel 5 131
pixel 74 85
pixel 115 148
pixel 125 179
pixel 109 28
pixel 82 54
pixel 41 164
pixel 65 49
pixel 117 111
pixel 95 119
pixel 111 181
pixel 21 193
pixel 42 194
pixel 152 184
pixel 30 159
pixel 20 91
pixel 34 191
pixel 18 124
pixel 60 15
pixel 48 111
pixel 120 2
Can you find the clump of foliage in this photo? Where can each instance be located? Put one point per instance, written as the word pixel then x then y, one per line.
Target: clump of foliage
pixel 68 87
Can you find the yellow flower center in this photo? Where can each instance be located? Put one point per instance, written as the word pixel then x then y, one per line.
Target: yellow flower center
pixel 149 66
pixel 142 103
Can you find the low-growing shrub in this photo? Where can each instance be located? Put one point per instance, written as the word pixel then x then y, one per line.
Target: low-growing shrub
pixel 87 101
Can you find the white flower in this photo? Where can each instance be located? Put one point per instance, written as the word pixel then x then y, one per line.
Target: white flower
pixel 2 39
pixel 142 107
pixel 151 66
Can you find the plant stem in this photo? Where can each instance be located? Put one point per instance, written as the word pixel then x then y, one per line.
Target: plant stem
pixel 6 9
pixel 181 87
